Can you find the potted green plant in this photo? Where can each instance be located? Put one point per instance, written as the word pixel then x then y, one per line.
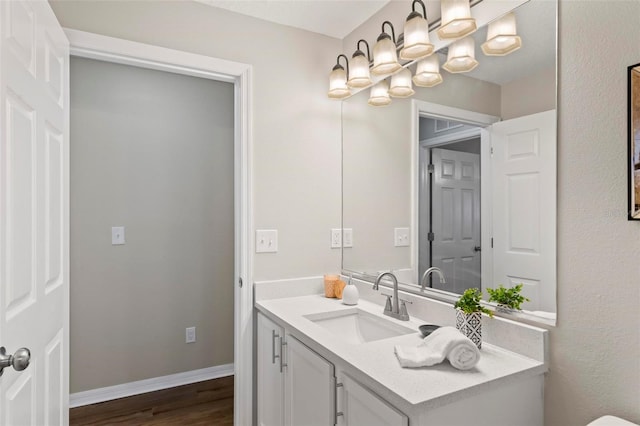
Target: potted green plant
pixel 469 315
pixel 507 299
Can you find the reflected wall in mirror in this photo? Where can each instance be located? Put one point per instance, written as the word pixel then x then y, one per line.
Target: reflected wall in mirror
pixel 422 188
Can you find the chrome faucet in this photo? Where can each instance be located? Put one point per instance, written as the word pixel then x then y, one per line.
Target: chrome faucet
pixel 393 308
pixel 430 271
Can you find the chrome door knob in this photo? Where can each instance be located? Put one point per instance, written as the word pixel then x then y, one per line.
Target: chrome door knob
pixel 19 361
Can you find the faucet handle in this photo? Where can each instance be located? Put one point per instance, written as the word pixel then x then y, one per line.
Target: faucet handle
pixel 387 306
pixel 403 308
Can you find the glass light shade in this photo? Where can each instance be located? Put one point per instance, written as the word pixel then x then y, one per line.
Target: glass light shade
pixel 416 38
pixel 401 84
pixel 462 56
pixel 385 58
pixel 456 19
pixel 380 94
pixel 502 37
pixel 359 72
pixel 428 72
pixel 338 84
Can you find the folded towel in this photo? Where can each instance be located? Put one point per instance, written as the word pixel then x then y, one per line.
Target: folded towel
pixel 445 342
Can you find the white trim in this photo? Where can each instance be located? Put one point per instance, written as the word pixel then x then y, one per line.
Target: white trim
pixel 451 137
pixel 432 110
pixel 109 393
pixel 111 49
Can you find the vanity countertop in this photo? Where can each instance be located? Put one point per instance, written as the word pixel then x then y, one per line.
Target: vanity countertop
pixel 426 387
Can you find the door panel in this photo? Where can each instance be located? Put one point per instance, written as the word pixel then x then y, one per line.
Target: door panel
pixel 524 215
pixel 33 212
pixel 456 218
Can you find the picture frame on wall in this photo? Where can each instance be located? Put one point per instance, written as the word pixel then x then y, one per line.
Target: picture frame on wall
pixel 633 162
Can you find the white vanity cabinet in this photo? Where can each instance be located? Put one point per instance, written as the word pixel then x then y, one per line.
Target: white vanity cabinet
pixel 270 380
pixel 361 407
pixel 297 386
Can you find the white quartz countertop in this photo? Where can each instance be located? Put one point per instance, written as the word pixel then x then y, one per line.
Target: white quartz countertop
pixel 425 387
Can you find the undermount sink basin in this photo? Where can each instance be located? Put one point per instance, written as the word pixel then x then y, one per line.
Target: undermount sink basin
pixel 358 326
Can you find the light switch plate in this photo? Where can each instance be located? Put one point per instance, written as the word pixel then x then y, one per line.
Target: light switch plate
pixel 401 237
pixel 117 235
pixel 266 241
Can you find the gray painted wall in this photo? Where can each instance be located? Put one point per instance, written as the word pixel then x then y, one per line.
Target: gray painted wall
pixel 151 151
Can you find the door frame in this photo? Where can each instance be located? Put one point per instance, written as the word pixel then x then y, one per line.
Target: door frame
pixel 433 110
pixel 94 46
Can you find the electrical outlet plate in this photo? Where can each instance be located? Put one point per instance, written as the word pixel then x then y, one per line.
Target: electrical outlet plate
pixel 190 335
pixel 336 238
pixel 347 238
pixel 117 235
pixel 401 237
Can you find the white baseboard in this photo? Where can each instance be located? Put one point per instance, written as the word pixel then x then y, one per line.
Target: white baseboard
pixel 109 393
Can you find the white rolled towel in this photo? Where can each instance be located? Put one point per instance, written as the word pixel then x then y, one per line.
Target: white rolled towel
pixel 445 342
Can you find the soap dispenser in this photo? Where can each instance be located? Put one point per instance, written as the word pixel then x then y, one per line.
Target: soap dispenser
pixel 350 294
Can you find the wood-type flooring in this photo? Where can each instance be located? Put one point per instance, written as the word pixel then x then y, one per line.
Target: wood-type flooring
pixel 204 403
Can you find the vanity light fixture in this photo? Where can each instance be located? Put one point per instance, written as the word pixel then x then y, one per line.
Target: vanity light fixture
pixel 380 94
pixel 462 56
pixel 385 56
pixel 502 37
pixel 456 19
pixel 401 84
pixel 428 72
pixel 416 34
pixel 338 80
pixel 359 67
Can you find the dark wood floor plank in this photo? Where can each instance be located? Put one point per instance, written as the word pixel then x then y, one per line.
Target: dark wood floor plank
pixel 204 403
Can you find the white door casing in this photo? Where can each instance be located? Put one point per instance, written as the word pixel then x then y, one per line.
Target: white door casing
pixel 456 219
pixel 524 199
pixel 34 212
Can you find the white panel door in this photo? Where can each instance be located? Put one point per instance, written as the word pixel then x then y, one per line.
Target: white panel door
pixel 270 380
pixel 309 387
pixel 361 407
pixel 455 202
pixel 34 215
pixel 524 199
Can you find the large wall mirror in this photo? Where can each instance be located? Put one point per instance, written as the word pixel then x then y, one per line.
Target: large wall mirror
pixel 462 175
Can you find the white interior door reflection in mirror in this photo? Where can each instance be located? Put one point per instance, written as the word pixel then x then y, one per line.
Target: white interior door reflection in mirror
pixel 455 203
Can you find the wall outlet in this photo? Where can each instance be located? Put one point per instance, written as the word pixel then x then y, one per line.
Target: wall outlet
pixel 347 237
pixel 401 237
pixel 336 238
pixel 190 335
pixel 266 241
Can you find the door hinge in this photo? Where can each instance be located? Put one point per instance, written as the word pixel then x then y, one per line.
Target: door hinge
pixel 431 168
pixel 240 282
pixel 491 150
pixel 491 242
pixel 431 236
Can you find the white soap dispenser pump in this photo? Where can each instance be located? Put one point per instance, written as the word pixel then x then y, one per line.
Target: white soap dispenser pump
pixel 350 295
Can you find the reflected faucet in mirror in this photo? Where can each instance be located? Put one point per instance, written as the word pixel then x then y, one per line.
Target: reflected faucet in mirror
pixel 430 271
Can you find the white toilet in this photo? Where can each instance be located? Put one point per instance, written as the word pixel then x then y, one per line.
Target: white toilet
pixel 611 421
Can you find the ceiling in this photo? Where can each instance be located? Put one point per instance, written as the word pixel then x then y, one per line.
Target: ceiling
pixel 335 18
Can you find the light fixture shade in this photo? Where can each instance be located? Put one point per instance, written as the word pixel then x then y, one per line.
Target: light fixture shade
pixel 416 38
pixel 401 84
pixel 502 37
pixel 380 94
pixel 359 71
pixel 456 19
pixel 385 58
pixel 428 72
pixel 462 56
pixel 338 83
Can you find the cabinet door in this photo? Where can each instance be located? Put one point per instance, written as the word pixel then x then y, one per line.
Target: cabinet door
pixel 309 387
pixel 270 378
pixel 361 407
